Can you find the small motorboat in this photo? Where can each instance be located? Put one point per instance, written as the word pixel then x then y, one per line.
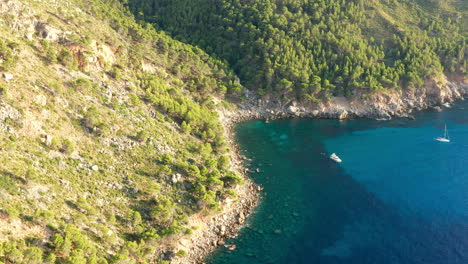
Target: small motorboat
pixel 447 105
pixel 334 157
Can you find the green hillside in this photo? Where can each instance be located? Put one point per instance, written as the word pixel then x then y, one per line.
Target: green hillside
pixel 312 49
pixel 108 138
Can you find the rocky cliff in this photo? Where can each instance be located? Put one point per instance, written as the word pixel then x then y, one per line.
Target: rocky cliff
pixel 387 104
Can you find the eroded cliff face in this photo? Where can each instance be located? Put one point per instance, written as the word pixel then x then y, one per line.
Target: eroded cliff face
pixel 380 105
pixel 394 103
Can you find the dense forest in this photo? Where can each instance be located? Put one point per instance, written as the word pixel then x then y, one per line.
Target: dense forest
pixel 313 49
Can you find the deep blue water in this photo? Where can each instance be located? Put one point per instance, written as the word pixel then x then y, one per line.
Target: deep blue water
pixel 398 197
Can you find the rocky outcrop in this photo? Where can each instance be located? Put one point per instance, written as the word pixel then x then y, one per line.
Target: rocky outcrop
pixel 7 112
pixel 213 230
pixel 18 17
pixel 24 21
pixel 7 76
pixel 380 105
pixel 49 33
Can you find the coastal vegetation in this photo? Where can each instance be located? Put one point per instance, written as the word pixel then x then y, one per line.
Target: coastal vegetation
pixel 109 138
pixel 311 50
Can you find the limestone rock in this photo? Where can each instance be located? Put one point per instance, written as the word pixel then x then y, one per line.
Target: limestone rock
pixel 293 109
pixel 175 178
pixel 47 140
pixel 7 111
pixel 231 247
pixel 343 115
pixel 186 185
pixel 21 19
pixel 40 100
pixel 8 76
pixel 49 33
pixel 222 230
pixel 437 108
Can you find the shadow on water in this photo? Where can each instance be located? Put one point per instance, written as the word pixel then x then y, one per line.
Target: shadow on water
pixel 312 211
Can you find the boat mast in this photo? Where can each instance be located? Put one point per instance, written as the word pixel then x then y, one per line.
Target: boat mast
pixel 446 132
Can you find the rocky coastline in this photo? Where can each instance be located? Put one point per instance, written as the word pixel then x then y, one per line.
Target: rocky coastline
pixel 382 105
pixel 213 230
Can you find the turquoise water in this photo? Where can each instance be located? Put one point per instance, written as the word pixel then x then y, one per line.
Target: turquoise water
pixel 398 197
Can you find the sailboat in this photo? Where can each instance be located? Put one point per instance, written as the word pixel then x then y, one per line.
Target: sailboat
pixel 445 138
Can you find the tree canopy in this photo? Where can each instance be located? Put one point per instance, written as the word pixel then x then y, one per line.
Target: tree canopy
pixel 312 49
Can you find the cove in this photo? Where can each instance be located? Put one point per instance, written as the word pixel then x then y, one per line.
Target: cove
pixel 399 196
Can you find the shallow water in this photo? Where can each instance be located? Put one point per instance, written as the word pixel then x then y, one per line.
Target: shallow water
pixel 399 196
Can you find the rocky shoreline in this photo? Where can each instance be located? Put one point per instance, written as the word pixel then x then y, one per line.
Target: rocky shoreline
pixel 385 105
pixel 213 230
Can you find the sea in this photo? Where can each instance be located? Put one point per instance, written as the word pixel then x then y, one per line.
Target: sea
pixel 398 197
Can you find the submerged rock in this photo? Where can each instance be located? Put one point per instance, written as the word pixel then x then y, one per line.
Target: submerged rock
pixel 231 247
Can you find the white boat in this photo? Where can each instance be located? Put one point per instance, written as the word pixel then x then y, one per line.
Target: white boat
pixel 334 157
pixel 446 105
pixel 445 138
pixel 382 119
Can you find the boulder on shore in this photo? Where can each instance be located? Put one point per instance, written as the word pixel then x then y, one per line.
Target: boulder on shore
pixel 343 115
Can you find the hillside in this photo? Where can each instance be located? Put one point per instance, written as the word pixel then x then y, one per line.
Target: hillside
pixel 109 143
pixel 310 50
pixel 113 144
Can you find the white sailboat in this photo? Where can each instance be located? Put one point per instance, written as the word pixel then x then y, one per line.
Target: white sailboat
pixel 445 138
pixel 334 157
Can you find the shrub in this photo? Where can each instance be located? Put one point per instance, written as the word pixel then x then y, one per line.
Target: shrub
pixel 55 144
pixel 50 51
pixel 223 162
pixel 142 135
pixel 12 212
pixel 115 73
pixel 66 58
pixel 232 179
pixel 7 57
pixel 82 84
pixel 92 121
pixel 166 158
pixel 3 90
pixel 67 146
pixel 135 100
pixel 150 235
pixel 50 258
pixel 32 256
pixel 186 128
pixel 181 253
